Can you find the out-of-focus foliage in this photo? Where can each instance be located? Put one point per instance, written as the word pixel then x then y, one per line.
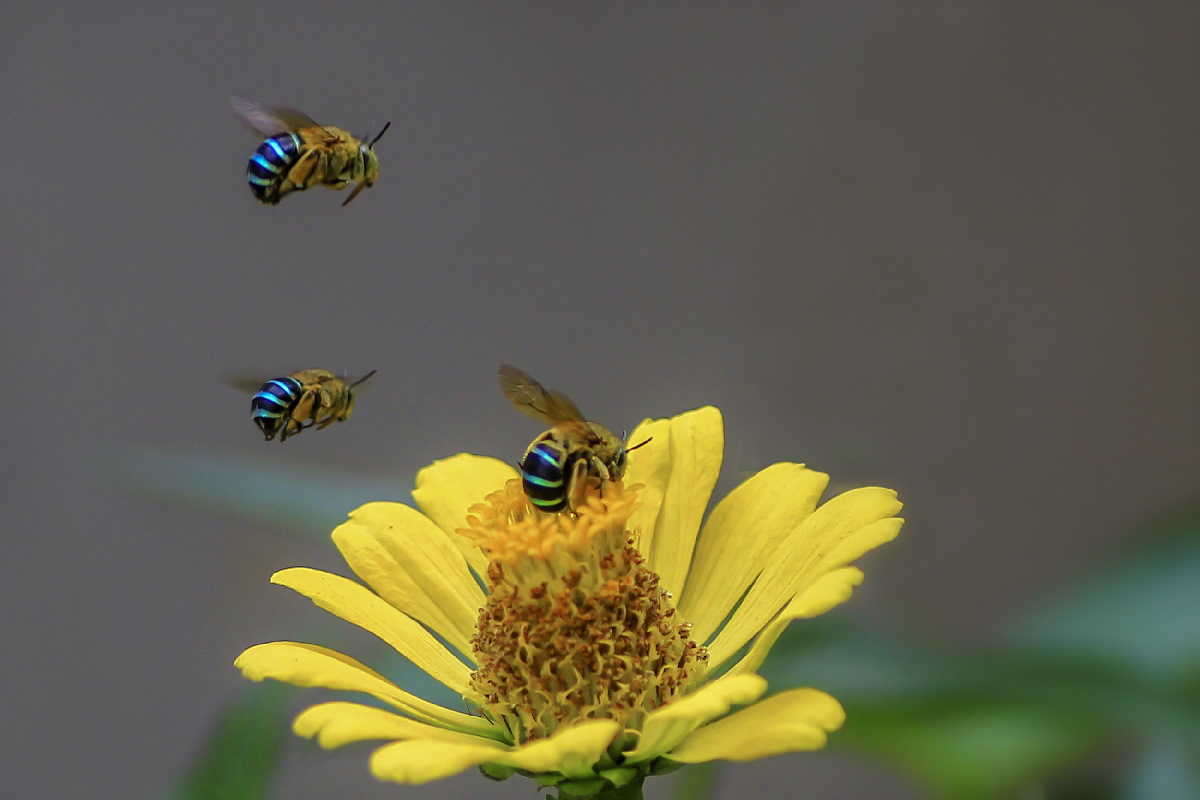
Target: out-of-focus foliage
pixel 1140 608
pixel 243 752
pixel 1093 694
pixel 308 500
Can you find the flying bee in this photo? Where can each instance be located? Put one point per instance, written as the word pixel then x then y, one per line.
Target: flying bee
pixel 314 396
pixel 299 153
pixel 556 467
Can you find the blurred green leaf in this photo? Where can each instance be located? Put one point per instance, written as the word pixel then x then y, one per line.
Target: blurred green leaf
pixel 241 756
pixel 1140 606
pixel 969 748
pixel 967 727
pixel 306 499
pixel 1115 657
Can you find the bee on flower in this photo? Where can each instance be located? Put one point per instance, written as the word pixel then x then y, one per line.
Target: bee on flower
pixel 559 464
pixel 604 645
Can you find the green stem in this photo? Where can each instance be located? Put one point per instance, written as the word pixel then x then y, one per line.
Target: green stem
pixel 630 791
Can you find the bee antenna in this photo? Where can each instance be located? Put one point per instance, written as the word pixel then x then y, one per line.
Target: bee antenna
pixel 379 135
pixel 639 444
pixel 364 377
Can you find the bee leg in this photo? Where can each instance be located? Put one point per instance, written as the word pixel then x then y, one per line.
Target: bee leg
pixel 285 428
pixel 325 407
pixel 577 483
pixel 600 469
pixel 299 426
pixel 304 170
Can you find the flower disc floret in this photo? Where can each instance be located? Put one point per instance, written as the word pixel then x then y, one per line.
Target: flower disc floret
pixel 576 626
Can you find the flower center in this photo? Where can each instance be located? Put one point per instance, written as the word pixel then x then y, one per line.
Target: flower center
pixel 576 626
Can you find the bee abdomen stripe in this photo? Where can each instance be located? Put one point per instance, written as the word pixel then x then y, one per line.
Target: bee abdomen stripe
pixel 268 403
pixel 549 459
pixel 278 148
pixel 535 480
pixel 264 163
pixel 281 387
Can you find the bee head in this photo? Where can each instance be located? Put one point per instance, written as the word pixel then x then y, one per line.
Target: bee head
pixel 370 165
pixel 370 162
pixel 617 469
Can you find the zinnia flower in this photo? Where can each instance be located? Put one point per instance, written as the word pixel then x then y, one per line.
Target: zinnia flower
pixel 605 645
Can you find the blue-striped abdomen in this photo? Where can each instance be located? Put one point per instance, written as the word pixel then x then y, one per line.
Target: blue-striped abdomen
pixel 272 407
pixel 544 476
pixel 270 165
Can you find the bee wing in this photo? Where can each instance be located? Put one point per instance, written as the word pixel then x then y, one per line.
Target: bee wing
pixel 535 400
pixel 270 121
pixel 245 383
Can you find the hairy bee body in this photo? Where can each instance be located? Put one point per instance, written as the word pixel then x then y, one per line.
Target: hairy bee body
pixel 317 397
pixel 558 464
pixel 555 468
pixel 298 154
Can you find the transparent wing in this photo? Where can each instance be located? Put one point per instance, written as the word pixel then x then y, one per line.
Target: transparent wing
pixel 245 383
pixel 535 400
pixel 270 121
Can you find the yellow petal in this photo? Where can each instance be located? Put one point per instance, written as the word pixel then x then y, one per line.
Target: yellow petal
pixel 835 534
pixel 830 590
pixel 741 536
pixel 448 487
pixel 411 563
pixel 338 723
pixel 362 607
pixel 313 666
pixel 573 751
pixel 424 760
pixel 795 720
pixel 667 726
pixel 650 467
pixel 693 453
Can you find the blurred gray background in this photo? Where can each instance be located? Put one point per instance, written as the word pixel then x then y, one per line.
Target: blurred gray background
pixel 949 248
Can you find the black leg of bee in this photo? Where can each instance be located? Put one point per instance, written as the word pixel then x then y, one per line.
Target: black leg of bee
pixel 290 428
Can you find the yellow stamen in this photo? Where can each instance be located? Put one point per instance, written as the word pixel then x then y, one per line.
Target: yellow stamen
pixel 576 626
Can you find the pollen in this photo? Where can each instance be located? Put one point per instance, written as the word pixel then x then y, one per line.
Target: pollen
pixel 576 626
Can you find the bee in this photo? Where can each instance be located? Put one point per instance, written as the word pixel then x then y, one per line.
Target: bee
pixel 299 153
pixel 313 396
pixel 557 464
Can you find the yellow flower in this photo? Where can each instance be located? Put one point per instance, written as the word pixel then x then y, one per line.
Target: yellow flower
pixel 604 646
